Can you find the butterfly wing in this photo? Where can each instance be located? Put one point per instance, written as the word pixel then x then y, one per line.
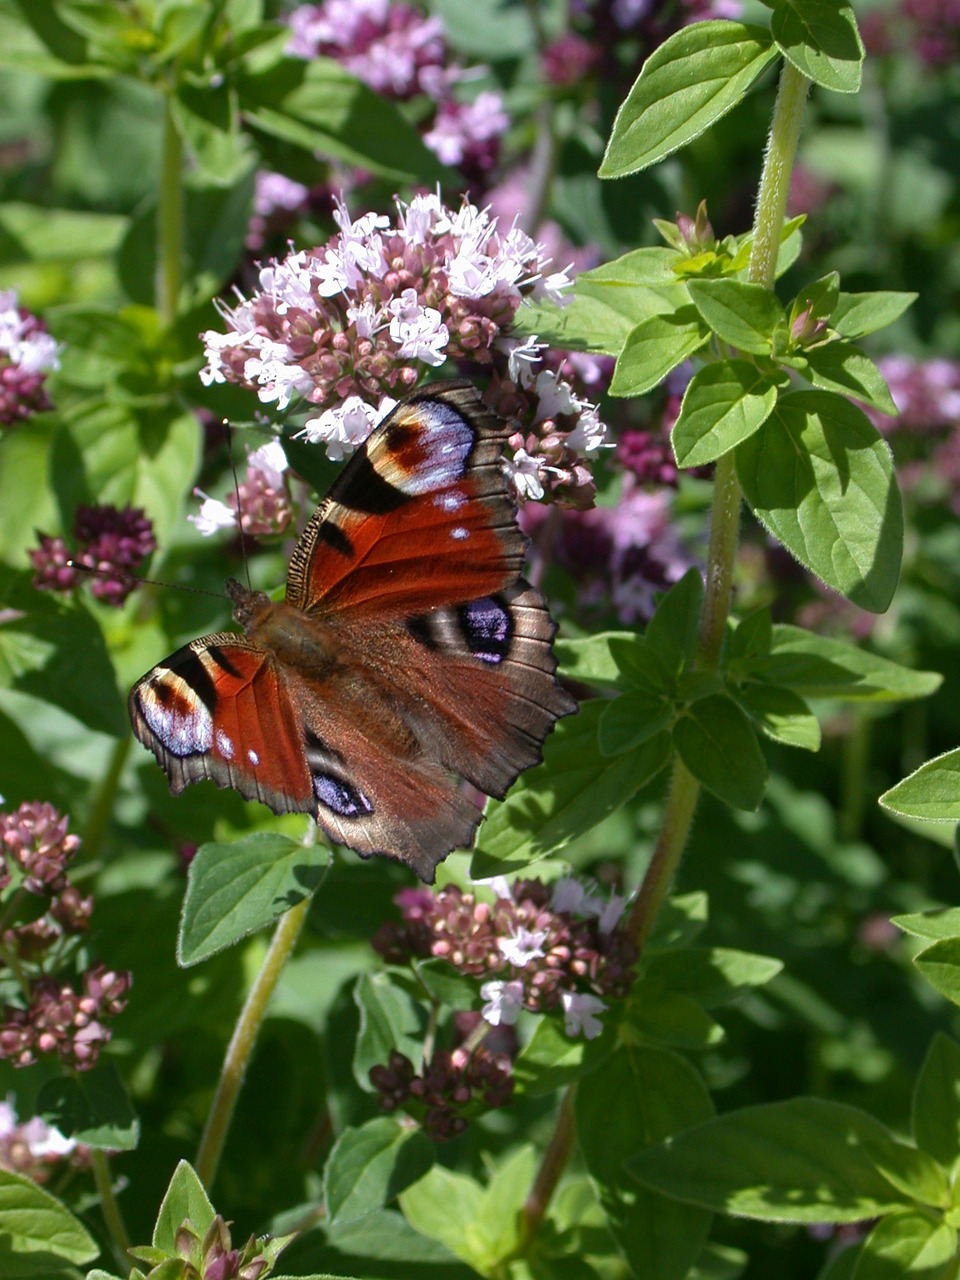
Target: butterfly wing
pixel 219 708
pixel 420 517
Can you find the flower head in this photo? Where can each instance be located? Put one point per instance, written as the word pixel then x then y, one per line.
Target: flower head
pixel 111 542
pixel 27 354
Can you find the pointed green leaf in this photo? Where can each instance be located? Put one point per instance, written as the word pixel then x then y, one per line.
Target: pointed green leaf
pixel 389 1019
pixel 821 39
pixel 184 1198
pixel 690 81
pixel 672 631
pixel 840 366
pixel 857 314
pixel 819 476
pixel 551 1059
pixel 931 792
pixel 744 315
pixel 654 347
pixel 940 965
pixel 631 719
pixel 804 1160
pixel 936 1102
pixel 235 889
pixel 671 1020
pixel 711 975
pixel 908 1244
pixel 639 1096
pixel 591 658
pixel 573 790
pixel 943 923
pixel 716 742
pixel 723 404
pixel 38 1235
pixel 822 667
pixel 781 714
pixel 368 1167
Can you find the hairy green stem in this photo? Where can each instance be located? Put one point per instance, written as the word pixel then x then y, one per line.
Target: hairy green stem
pixel 109 1207
pixel 244 1038
pixel 170 220
pixel 551 1169
pixel 775 180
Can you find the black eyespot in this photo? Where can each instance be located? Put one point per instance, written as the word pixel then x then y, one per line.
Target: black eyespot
pixel 347 801
pixel 487 629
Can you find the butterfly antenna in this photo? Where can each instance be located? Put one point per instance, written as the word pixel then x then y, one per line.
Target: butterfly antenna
pixel 236 489
pixel 141 582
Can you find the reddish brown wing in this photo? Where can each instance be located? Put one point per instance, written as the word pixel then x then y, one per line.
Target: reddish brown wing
pixel 420 517
pixel 219 708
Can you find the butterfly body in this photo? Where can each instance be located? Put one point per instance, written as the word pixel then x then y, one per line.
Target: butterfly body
pixel 409 652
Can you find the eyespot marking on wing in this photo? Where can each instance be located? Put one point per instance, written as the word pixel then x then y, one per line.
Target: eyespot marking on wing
pixel 427 449
pixel 176 716
pixel 339 796
pixel 487 629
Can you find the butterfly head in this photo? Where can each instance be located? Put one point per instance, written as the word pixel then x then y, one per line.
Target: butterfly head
pixel 248 605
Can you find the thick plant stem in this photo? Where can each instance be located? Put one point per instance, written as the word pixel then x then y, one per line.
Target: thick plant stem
pixel 170 221
pixel 551 1169
pixel 244 1038
pixel 109 1207
pixel 775 179
pixel 684 790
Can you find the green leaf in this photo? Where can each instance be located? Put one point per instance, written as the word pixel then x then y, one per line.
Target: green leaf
pixel 680 920
pixel 478 1224
pixel 389 1019
pixel 319 105
pixel 184 1198
pixel 454 990
pixel 840 366
pixel 819 476
pixel 688 83
pixel 943 923
pixel 653 348
pixel 93 1108
pixel 751 638
pixel 40 637
pixel 652 265
pixel 931 792
pixel 209 123
pixel 35 233
pixel 716 742
pixel 593 659
pixel 551 1059
pixel 857 314
pixel 936 1102
pixel 370 1166
pixel 235 889
pixel 821 39
pixel 637 1097
pixel 670 1019
pixel 672 631
pixel 573 790
pixel 38 1234
pixel 940 965
pixel 631 719
pixel 781 714
pixel 908 1244
pixel 711 975
pixel 744 315
pixel 804 1160
pixel 723 404
pixel 821 667
pixel 600 315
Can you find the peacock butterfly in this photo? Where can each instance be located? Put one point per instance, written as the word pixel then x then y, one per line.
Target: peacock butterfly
pixel 409 653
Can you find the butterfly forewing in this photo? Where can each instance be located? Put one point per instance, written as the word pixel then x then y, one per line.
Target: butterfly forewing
pixel 409 653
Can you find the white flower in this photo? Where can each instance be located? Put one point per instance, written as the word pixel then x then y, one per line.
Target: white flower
pixel 525 945
pixel 346 426
pixel 419 218
pixel 271 461
pixel 568 895
pixel 555 396
pixel 419 332
pixel 579 1014
pixel 214 343
pixel 522 354
pixel 524 474
pixel 365 318
pixel 213 515
pixel 504 1002
pixel 607 913
pixel 590 434
pixel 554 287
pixel 41 1139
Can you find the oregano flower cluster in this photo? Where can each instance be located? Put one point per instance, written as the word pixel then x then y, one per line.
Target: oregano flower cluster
pixel 60 1008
